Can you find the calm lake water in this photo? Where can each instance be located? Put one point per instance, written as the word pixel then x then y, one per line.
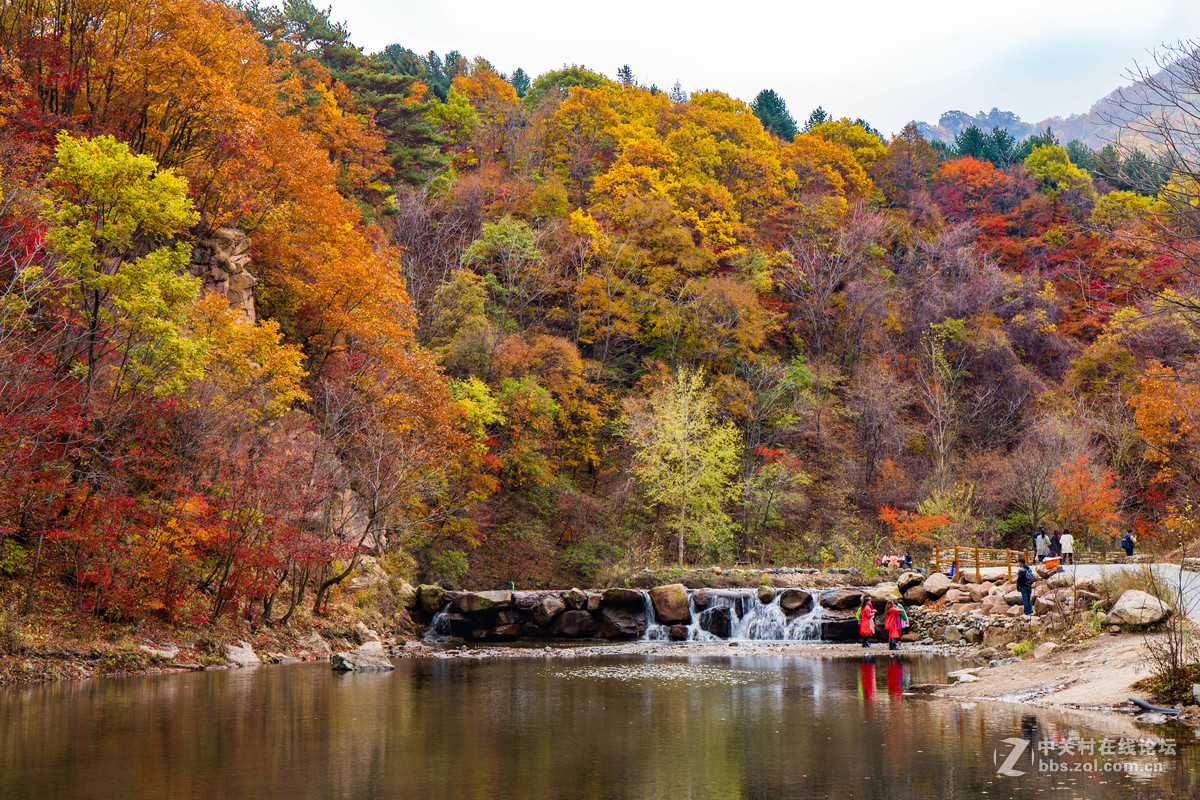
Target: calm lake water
pixel 635 727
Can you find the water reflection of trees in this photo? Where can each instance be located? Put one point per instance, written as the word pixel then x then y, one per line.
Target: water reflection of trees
pixel 528 729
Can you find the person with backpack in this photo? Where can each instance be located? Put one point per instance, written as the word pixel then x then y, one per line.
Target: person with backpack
pixel 866 620
pixel 1128 542
pixel 1025 580
pixel 893 623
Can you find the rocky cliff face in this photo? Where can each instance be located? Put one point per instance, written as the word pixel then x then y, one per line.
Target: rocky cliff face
pixel 222 261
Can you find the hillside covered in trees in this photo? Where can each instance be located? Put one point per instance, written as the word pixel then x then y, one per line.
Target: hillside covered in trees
pixel 271 304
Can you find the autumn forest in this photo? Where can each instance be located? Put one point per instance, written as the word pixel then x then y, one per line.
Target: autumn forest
pixel 271 304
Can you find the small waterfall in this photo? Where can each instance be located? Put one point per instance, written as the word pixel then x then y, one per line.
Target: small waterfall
pixel 750 618
pixel 439 627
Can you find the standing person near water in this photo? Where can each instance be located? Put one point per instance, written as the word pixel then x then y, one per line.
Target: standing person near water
pixel 1025 585
pixel 866 620
pixel 893 623
pixel 1067 543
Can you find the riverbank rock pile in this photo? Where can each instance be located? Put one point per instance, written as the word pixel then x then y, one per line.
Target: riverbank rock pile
pixel 623 613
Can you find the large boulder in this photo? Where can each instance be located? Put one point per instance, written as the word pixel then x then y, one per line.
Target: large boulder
pixel 986 574
pixel 1138 608
pixel 406 595
pixel 622 622
pixel 478 602
pixel 576 599
pixel 702 599
pixel 718 621
pixel 313 643
pixel 936 585
pixel 909 579
pixel 1013 598
pixel 796 601
pixel 242 655
pixel 881 593
pixel 765 595
pixel 574 625
pixel 369 657
pixel 671 603
pixel 841 599
pixel 363 634
pixel 839 626
pixel 622 597
pixel 955 596
pixel 429 598
pixel 915 595
pixel 547 609
pixel 993 604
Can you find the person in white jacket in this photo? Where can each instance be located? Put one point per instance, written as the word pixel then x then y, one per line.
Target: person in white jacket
pixel 1067 542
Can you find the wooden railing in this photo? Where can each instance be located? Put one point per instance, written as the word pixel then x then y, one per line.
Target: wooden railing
pixel 977 557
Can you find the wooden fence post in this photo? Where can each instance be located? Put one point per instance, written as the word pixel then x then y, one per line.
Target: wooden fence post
pixel 977 566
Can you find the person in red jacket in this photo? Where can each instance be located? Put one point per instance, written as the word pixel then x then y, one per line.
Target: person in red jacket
pixel 866 620
pixel 893 623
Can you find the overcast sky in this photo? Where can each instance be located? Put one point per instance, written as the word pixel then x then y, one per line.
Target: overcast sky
pixel 887 61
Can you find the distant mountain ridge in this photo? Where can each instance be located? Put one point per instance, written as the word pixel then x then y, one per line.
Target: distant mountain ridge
pixel 1096 128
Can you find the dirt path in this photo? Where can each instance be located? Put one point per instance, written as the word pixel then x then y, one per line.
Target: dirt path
pixel 1099 673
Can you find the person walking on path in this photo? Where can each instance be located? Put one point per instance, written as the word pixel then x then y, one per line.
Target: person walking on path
pixel 1128 542
pixel 866 620
pixel 1041 545
pixel 1067 543
pixel 894 624
pixel 1025 585
pixel 1056 545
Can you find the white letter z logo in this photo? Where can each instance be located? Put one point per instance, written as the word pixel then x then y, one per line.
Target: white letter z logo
pixel 1006 768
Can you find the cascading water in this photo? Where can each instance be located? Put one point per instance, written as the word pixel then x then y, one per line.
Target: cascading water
pixel 749 619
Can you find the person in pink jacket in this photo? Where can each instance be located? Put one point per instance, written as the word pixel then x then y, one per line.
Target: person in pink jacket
pixel 893 623
pixel 866 620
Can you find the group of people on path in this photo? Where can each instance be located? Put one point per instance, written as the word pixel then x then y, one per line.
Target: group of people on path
pixel 1060 544
pixel 895 620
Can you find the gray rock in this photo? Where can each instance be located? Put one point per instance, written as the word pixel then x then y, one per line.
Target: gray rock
pixel 576 599
pixel 1151 718
pixel 478 602
pixel 242 656
pixel 951 635
pixel 547 609
pixel 841 599
pixel 881 593
pixel 406 595
pixel 765 594
pixel 972 636
pixel 796 600
pixel 1138 608
pixel 574 625
pixel 369 657
pixel 623 597
pixel 907 580
pixel 915 595
pixel 621 622
pixel 363 634
pixel 670 603
pixel 315 644
pixel 429 598
pixel 718 621
pixel 164 653
pixel 936 585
